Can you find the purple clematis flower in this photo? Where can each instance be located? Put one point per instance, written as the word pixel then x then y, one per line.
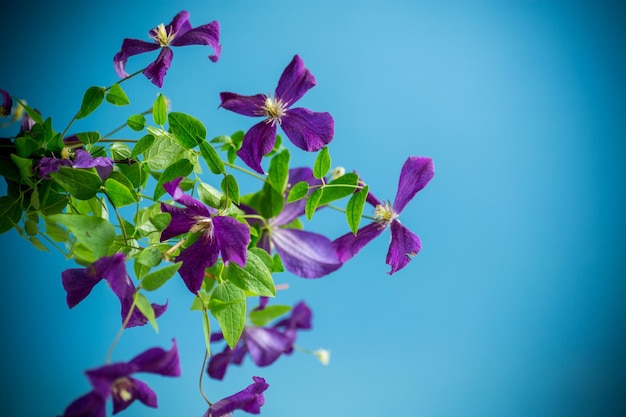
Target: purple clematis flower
pixel 265 344
pixel 81 159
pixel 415 175
pixel 308 130
pixel 115 380
pixel 78 283
pixel 178 33
pixel 6 105
pixel 218 235
pixel 305 254
pixel 249 400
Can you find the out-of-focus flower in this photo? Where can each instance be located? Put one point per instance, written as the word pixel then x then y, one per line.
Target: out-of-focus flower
pixel 308 130
pixel 415 175
pixel 78 283
pixel 178 33
pixel 115 381
pixel 6 104
pixel 219 235
pixel 78 158
pixel 249 400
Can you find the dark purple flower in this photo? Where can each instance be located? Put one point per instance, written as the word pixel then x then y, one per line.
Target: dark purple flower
pixel 265 344
pixel 79 158
pixel 416 173
pixel 305 254
pixel 308 130
pixel 178 33
pixel 78 283
pixel 6 104
pixel 249 400
pixel 115 380
pixel 218 235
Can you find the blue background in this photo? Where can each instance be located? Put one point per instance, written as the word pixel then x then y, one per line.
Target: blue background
pixel 514 307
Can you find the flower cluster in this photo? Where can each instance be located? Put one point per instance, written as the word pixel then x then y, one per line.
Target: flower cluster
pixel 227 247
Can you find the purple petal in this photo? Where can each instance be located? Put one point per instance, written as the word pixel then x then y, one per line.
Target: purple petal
pixel 158 361
pixel 138 390
pixel 7 103
pixel 208 34
pixel 48 166
pixel 103 165
pixel 233 238
pixel 308 130
pixel 245 105
pixel 179 196
pixel 131 47
pixel 294 82
pixel 300 318
pixel 349 244
pixel 179 25
pixel 78 283
pixel 266 345
pixel 113 270
pixel 305 254
pixel 202 254
pixel 181 222
pixel 249 400
pixel 258 141
pixel 416 173
pixel 219 363
pixel 404 245
pixel 137 318
pixel 89 405
pixel 156 71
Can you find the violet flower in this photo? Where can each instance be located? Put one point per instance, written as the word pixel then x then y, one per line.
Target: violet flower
pixel 249 400
pixel 265 344
pixel 6 105
pixel 115 380
pixel 218 235
pixel 308 130
pixel 78 283
pixel 79 158
pixel 178 33
pixel 305 254
pixel 416 173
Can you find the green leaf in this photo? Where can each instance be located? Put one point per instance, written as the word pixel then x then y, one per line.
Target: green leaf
pixel 88 137
pixel 142 145
pixel 56 232
pixel 180 168
pixel 156 279
pixel 213 160
pixel 161 220
pixel 188 130
pixel 278 264
pixel 136 122
pixel 268 202
pixel 25 165
pixel 255 278
pixel 322 163
pixel 91 101
pixel 26 146
pixel 120 194
pixel 339 188
pixel 94 233
pixel 262 317
pixel 165 151
pixel 159 110
pixel 150 256
pixel 228 306
pixel 30 227
pixel 143 304
pixel 117 96
pixel 278 173
pixel 120 151
pixel 37 243
pixel 298 191
pixel 82 183
pixel 210 195
pixel 10 213
pixel 230 188
pixel 354 208
pixel 32 113
pixel 312 203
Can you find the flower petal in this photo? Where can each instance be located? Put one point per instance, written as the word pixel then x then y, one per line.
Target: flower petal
pixel 202 254
pixel 305 254
pixel 113 270
pixel 179 196
pixel 47 166
pixel 219 362
pixel 266 345
pixel 416 173
pixel 158 361
pixel 137 318
pixel 208 34
pixel 294 82
pixel 404 245
pixel 131 47
pixel 245 105
pixel 300 318
pixel 249 400
pixel 89 405
pixel 178 26
pixel 233 238
pixel 136 390
pixel 103 165
pixel 7 103
pixel 308 130
pixel 156 71
pixel 258 141
pixel 349 244
pixel 182 221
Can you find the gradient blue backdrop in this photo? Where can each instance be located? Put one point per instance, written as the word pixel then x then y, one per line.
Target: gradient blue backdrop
pixel 513 308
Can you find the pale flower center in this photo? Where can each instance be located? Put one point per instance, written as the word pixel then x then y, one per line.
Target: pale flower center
pixel 384 213
pixel 274 109
pixel 162 36
pixel 203 225
pixel 121 388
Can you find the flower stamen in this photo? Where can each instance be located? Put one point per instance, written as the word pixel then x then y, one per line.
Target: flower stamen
pixel 384 213
pixel 274 109
pixel 162 36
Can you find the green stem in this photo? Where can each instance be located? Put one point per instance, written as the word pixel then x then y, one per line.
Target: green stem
pixel 206 356
pixel 119 218
pixel 119 333
pixel 363 216
pixel 245 171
